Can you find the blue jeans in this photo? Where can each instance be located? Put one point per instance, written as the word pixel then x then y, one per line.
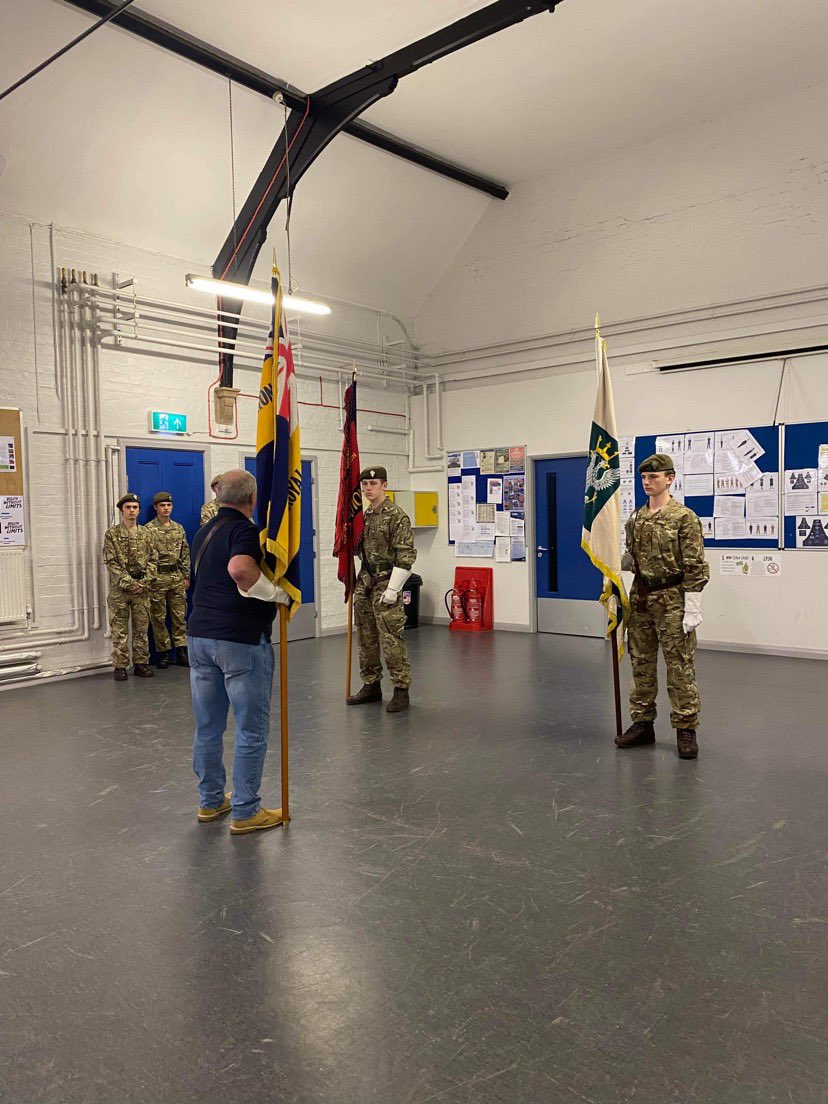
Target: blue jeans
pixel 223 673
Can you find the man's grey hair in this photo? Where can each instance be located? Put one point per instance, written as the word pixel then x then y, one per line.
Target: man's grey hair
pixel 235 488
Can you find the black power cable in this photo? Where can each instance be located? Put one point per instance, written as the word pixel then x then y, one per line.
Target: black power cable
pixel 66 48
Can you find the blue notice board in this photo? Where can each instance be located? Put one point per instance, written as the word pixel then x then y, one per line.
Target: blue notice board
pixel 802 443
pixel 768 464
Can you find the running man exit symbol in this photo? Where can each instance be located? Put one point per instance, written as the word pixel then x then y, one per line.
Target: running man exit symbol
pixel 165 421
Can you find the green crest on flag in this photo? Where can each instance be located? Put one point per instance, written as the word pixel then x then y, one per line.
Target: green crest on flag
pixel 603 473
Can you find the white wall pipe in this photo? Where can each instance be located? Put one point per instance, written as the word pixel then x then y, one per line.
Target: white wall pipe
pixel 258 326
pixel 90 519
pixel 100 447
pixel 78 630
pixel 439 412
pixel 304 371
pixel 427 451
pixel 80 502
pixel 414 469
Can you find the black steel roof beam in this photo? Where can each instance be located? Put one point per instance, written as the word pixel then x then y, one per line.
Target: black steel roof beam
pixel 179 42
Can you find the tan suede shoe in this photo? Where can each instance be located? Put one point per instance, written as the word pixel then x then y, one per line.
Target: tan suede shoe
pixel 264 818
pixel 205 815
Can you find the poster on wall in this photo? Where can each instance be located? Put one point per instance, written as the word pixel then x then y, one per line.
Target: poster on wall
pixel 812 531
pixel 12 529
pixel 513 496
pixel 8 460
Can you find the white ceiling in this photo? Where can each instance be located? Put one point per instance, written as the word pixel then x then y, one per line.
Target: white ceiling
pixel 122 139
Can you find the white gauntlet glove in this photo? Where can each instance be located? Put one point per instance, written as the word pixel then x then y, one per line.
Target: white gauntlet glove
pixel 692 611
pixel 395 584
pixel 265 591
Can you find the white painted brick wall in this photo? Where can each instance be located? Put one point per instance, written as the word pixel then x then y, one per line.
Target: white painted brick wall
pixel 135 382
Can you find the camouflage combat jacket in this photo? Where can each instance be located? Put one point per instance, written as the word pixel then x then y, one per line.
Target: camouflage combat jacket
pixel 208 510
pixel 129 560
pixel 171 545
pixel 387 540
pixel 667 544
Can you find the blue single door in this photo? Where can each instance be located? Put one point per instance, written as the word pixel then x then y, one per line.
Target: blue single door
pixel 568 586
pixel 303 624
pixel 179 471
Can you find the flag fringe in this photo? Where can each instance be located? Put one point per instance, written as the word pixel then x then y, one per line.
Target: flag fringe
pixel 607 593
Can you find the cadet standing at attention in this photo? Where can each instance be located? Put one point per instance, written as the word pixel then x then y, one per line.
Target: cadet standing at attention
pixel 130 558
pixel 170 586
pixel 210 509
pixel 388 554
pixel 665 549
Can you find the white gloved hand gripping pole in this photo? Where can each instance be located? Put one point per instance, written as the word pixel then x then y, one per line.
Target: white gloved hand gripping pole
pixel 266 591
pixel 692 611
pixel 399 577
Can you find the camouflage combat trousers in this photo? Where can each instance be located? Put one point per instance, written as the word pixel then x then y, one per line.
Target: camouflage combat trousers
pixel 380 629
pixel 660 624
pixel 168 592
pixel 124 607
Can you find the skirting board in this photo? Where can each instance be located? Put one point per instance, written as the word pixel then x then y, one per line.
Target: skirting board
pixel 82 671
pixel 503 626
pixel 708 645
pixel 334 630
pixel 762 649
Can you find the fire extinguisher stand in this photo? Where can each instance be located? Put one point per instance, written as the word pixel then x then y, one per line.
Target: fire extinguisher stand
pixel 484 578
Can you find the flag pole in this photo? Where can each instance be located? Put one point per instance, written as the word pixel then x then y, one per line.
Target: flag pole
pixel 349 646
pixel 283 703
pixel 616 681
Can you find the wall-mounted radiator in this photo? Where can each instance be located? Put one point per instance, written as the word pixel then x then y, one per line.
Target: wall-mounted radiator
pixel 12 584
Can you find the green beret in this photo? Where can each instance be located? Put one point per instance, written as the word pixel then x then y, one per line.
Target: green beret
pixel 374 473
pixel 658 462
pixel 128 497
pixel 162 496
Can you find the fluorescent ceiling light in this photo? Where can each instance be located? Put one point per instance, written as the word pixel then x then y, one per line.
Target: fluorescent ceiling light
pixel 226 290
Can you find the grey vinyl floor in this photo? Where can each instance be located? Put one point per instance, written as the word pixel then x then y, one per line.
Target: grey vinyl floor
pixel 480 900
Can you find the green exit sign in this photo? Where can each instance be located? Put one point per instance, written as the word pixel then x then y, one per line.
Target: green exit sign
pixel 164 421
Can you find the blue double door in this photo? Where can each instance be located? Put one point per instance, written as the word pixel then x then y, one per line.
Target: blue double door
pixel 568 586
pixel 179 471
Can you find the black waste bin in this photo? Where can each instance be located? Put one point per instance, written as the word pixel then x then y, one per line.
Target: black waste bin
pixel 411 601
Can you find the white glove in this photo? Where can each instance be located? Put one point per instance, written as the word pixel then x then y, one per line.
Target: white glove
pixel 399 577
pixel 265 591
pixel 692 611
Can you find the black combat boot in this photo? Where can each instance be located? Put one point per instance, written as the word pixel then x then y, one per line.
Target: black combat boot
pixel 639 733
pixel 399 702
pixel 120 674
pixel 370 692
pixel 143 670
pixel 688 748
pixel 181 657
pixel 163 660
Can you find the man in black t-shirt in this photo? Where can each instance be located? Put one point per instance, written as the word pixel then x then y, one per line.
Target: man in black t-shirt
pixel 231 656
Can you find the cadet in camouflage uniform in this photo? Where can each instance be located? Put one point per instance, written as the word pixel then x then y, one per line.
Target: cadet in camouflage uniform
pixel 665 549
pixel 170 586
pixel 130 558
pixel 388 554
pixel 210 509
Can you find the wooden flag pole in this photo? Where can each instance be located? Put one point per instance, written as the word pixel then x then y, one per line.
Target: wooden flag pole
pixel 349 646
pixel 616 681
pixel 283 703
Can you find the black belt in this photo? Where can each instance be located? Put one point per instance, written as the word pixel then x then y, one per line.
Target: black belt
pixel 167 569
pixel 137 578
pixel 661 584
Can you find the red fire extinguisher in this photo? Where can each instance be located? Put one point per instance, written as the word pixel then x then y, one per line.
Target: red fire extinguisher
pixel 457 608
pixel 474 604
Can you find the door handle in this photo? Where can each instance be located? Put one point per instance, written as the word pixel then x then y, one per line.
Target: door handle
pixel 540 549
